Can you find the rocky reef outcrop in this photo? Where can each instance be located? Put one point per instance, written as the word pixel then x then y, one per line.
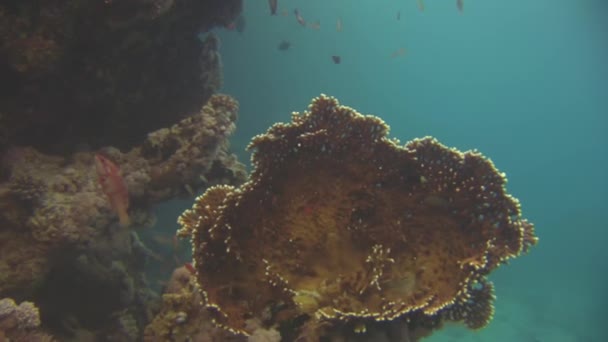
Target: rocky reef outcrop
pixel 96 73
pixel 60 243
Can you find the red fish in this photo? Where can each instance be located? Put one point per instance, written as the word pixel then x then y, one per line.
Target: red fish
pixel 114 186
pixel 273 6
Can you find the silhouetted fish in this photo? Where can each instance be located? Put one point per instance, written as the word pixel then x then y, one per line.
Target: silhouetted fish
pixel 336 59
pixel 240 23
pixel 273 6
pixel 299 17
pixel 460 5
pixel 284 45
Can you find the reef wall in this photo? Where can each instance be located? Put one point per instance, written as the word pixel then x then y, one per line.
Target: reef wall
pixel 94 73
pixel 60 243
pixel 133 83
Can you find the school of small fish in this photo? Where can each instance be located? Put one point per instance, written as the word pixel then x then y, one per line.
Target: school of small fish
pixel 273 6
pixel 109 174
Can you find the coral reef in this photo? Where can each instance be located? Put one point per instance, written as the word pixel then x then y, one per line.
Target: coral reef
pixel 340 227
pixel 60 242
pixel 23 263
pixel 20 322
pixel 100 289
pixel 182 318
pixel 58 200
pixel 191 152
pixel 129 67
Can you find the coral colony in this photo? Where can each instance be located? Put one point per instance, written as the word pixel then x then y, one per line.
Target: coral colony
pixel 339 228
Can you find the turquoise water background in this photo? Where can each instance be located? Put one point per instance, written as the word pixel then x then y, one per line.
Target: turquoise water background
pixel 525 82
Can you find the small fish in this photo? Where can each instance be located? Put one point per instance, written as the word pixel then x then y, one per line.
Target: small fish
pixel 339 25
pixel 336 59
pixel 420 5
pixel 285 13
pixel 299 17
pixel 398 15
pixel 398 52
pixel 315 25
pixel 273 6
pixel 460 5
pixel 230 26
pixel 114 186
pixel 164 240
pixel 284 45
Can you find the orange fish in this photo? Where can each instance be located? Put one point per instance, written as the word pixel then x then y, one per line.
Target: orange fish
pixel 114 186
pixel 339 25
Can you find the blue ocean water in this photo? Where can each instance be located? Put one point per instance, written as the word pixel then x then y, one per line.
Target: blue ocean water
pixel 524 82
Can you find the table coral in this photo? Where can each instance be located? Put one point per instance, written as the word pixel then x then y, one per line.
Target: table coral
pixel 339 223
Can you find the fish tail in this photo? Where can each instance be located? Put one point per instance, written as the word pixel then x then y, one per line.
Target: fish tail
pixel 123 218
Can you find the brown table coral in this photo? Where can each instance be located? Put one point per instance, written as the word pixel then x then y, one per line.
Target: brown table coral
pixel 341 223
